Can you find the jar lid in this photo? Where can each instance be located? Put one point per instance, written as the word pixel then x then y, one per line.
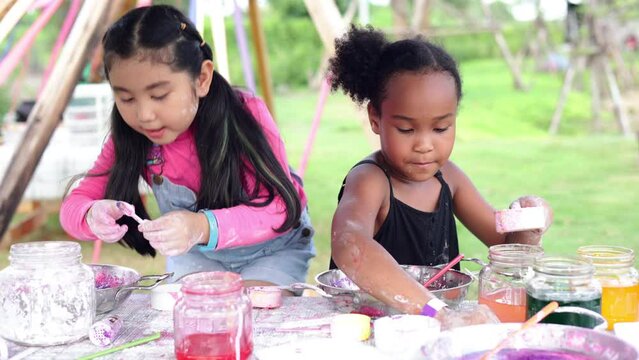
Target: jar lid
pixel 211 283
pixel 607 255
pixel 516 254
pixel 563 266
pixel 45 250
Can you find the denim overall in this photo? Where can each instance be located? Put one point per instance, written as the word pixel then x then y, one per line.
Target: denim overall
pixel 282 260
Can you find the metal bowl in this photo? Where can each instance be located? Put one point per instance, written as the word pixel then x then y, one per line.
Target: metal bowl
pixel 114 284
pixel 581 343
pixel 450 288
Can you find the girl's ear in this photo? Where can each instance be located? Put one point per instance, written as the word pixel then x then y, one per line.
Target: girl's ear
pixel 203 81
pixel 373 118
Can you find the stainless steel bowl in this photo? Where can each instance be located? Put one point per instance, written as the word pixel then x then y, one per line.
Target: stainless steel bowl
pixel 114 284
pixel 451 288
pixel 582 343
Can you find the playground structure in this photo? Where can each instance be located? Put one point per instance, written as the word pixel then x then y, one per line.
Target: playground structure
pixel 330 24
pixel 595 50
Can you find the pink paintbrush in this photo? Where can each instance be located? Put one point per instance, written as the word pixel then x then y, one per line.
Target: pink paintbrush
pixel 127 211
pixel 441 272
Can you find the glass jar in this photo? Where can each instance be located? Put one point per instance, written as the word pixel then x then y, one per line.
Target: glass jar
pixel 47 295
pixel 212 318
pixel 502 283
pixel 569 281
pixel 619 281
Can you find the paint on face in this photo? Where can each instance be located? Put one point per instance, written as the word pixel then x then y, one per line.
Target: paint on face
pixel 417 124
pixel 153 99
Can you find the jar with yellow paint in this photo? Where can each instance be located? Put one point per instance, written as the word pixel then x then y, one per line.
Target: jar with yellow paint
pixel 619 281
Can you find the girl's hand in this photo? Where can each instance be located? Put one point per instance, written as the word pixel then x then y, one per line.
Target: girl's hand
pixel 101 219
pixel 176 232
pixel 473 315
pixel 531 236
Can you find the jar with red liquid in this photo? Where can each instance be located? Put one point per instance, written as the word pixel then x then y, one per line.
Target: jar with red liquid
pixel 212 318
pixel 502 283
pixel 619 281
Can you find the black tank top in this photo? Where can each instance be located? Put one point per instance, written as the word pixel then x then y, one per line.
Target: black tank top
pixel 415 237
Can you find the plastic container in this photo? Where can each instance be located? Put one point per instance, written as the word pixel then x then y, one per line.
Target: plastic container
pixel 47 296
pixel 569 281
pixel 502 283
pixel 212 318
pixel 619 281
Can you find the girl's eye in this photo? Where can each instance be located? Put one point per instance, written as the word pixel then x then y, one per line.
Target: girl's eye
pixel 126 100
pixel 404 131
pixel 159 97
pixel 441 130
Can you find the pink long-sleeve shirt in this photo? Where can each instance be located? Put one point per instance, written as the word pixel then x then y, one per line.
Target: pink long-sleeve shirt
pixel 240 225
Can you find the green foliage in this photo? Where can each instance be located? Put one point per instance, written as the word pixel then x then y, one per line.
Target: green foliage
pixel 294 47
pixel 4 103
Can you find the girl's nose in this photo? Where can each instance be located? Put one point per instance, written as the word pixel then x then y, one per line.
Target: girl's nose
pixel 423 143
pixel 145 112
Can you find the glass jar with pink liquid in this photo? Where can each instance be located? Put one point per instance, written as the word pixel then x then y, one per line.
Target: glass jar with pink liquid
pixel 502 283
pixel 212 318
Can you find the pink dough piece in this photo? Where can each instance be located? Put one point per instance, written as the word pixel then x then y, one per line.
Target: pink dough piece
pixel 521 219
pixel 267 297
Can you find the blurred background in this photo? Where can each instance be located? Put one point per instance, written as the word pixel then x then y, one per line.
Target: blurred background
pixel 550 107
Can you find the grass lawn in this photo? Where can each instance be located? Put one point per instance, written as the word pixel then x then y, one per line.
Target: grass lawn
pixel 589 179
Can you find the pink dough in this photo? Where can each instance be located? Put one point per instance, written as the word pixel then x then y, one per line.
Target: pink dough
pixel 521 219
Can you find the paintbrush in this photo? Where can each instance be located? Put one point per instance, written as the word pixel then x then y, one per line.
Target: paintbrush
pixel 441 272
pixel 540 315
pixel 120 205
pixel 122 347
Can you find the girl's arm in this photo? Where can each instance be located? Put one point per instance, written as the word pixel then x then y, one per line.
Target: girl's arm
pixel 91 188
pixel 477 215
pixel 362 258
pixel 244 225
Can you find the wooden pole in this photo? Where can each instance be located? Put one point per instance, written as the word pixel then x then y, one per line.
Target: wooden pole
pixel 117 10
pixel 421 16
pixel 503 47
pixel 595 92
pixel 617 100
pixel 328 22
pixel 318 78
pixel 576 65
pixel 5 5
pixel 48 110
pixel 221 59
pixel 262 56
pixel 13 16
pixel 400 16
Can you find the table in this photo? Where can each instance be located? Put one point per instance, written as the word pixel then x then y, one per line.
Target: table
pixel 141 320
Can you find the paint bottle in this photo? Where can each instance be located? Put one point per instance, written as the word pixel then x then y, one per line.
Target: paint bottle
pixel 619 281
pixel 212 318
pixel 569 281
pixel 47 295
pixel 502 283
pixel 105 331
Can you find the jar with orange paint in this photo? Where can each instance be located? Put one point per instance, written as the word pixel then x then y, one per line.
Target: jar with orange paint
pixel 502 282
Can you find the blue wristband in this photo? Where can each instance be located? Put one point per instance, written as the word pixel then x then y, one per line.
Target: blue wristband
pixel 212 244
